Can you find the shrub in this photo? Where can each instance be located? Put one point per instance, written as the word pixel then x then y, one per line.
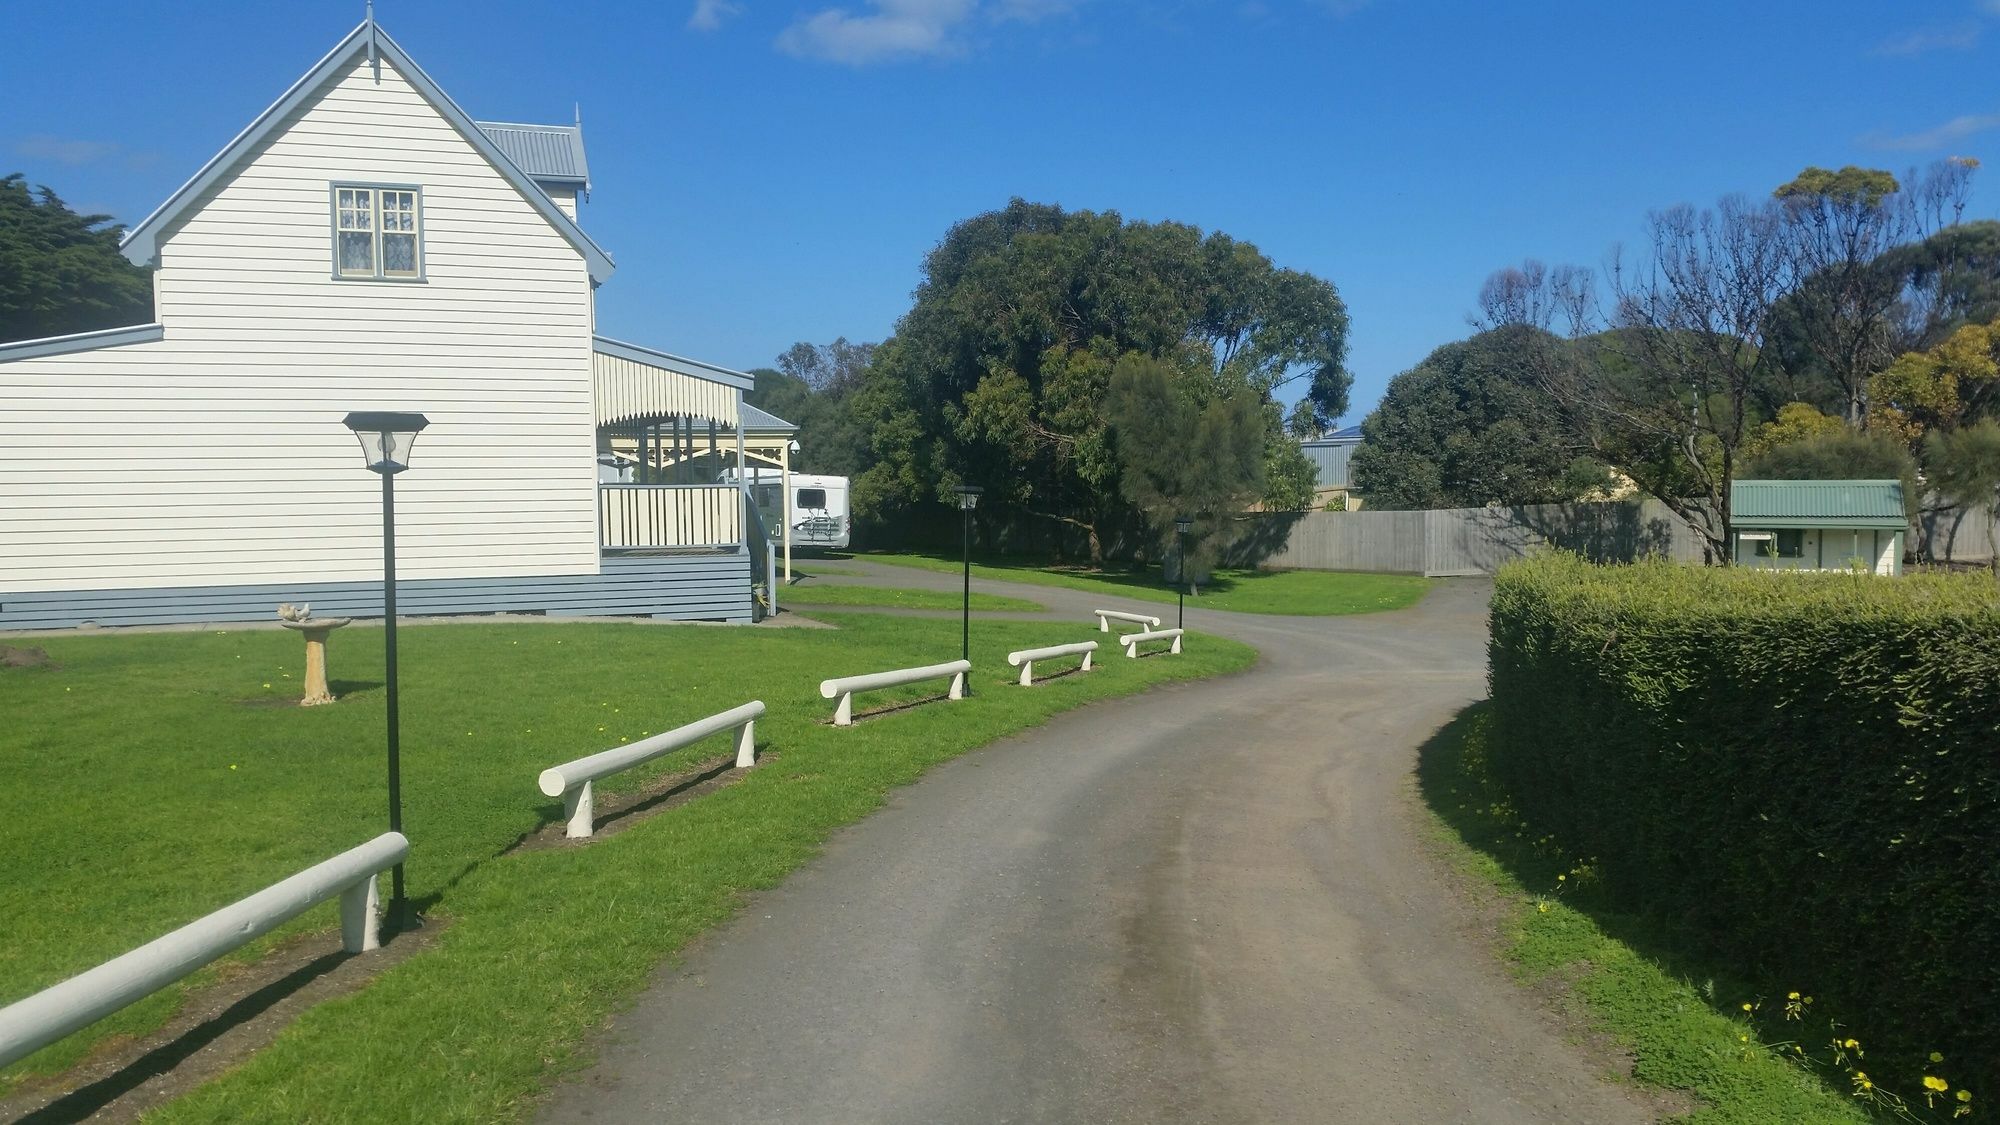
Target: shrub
pixel 1803 770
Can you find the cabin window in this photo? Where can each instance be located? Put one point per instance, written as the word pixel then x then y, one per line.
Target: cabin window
pixel 1791 544
pixel 377 232
pixel 812 497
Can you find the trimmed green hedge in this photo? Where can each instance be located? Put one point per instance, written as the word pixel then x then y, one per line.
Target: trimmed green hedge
pixel 1802 769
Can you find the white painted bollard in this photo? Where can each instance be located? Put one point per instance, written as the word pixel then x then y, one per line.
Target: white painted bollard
pixel 572 781
pixel 1132 641
pixel 1025 658
pixel 844 687
pixel 1106 616
pixel 28 1025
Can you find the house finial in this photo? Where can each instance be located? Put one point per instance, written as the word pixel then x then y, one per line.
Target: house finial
pixel 578 106
pixel 374 59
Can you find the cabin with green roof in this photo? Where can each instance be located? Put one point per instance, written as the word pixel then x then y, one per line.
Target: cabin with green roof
pixel 1819 524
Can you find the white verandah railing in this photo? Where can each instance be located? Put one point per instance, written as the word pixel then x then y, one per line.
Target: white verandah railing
pixel 669 515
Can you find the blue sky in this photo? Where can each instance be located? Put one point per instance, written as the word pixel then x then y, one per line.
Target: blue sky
pixel 769 172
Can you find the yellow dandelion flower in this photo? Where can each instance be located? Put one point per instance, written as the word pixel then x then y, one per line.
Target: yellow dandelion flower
pixel 1964 1095
pixel 1932 1082
pixel 1791 996
pixel 1562 878
pixel 1850 1044
pixel 1936 1057
pixel 1746 1007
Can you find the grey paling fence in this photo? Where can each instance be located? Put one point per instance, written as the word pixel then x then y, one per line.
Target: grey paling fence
pixel 1461 541
pixel 1955 535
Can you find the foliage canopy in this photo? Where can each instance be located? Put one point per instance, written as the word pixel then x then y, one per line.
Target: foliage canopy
pixel 1000 372
pixel 61 272
pixel 1468 427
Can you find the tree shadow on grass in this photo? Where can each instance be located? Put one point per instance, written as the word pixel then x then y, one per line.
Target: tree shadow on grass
pixel 1148 577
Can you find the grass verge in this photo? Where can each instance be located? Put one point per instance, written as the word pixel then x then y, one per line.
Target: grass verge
pixel 1303 593
pixel 178 778
pixel 1683 1019
pixel 814 593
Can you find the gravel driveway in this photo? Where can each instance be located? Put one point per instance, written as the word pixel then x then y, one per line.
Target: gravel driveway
pixel 1206 903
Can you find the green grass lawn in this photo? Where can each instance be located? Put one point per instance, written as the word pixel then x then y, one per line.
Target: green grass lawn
pixel 152 778
pixel 1304 593
pixel 814 593
pixel 1682 1018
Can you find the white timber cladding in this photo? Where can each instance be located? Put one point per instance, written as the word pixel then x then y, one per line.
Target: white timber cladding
pixel 217 454
pixel 628 391
pixel 564 197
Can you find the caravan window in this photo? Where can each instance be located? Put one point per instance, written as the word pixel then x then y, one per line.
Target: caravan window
pixel 812 497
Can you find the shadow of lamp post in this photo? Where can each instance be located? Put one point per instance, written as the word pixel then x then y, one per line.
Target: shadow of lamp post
pixel 968 499
pixel 1182 525
pixel 386 438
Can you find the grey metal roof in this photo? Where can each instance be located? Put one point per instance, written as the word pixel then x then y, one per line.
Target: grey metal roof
pixel 1816 503
pixel 548 153
pixel 755 419
pixel 142 243
pixel 1350 435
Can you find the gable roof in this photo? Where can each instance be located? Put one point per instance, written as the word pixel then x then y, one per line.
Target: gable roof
pixel 1817 503
pixel 142 243
pixel 549 153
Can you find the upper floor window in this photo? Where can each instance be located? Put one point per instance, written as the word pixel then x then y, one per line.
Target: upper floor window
pixel 377 232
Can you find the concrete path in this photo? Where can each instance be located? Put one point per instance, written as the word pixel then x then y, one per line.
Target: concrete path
pixel 1208 903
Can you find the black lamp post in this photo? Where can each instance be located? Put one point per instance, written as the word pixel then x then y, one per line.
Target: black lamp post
pixel 1182 525
pixel 968 499
pixel 386 438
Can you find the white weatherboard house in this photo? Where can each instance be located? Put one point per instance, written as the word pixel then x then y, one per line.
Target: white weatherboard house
pixel 363 245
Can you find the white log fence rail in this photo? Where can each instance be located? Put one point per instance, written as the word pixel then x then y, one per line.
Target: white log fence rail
pixel 32 1023
pixel 1106 616
pixel 844 687
pixel 574 781
pixel 1132 641
pixel 1025 658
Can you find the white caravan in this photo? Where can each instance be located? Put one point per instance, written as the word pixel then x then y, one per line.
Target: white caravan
pixel 817 514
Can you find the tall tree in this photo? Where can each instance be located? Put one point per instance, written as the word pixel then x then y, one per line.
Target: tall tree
pixel 60 272
pixel 1667 396
pixel 1940 389
pixel 834 368
pixel 1846 314
pixel 1469 426
pixel 1157 416
pixel 1964 466
pixel 815 391
pixel 1948 280
pixel 1000 370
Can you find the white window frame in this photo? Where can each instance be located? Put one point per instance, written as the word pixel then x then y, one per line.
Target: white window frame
pixel 375 191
